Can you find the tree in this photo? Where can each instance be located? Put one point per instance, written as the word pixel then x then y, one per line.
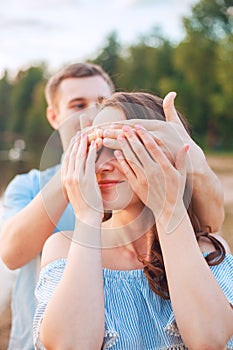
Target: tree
pixel 147 63
pixel 210 18
pixel 5 105
pixel 109 55
pixel 222 100
pixel 22 96
pixel 37 129
pixel 198 60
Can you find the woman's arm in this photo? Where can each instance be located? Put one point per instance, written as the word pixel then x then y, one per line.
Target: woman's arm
pixel 203 314
pixel 74 316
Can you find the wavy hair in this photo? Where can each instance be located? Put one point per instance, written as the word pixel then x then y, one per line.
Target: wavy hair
pixel 140 105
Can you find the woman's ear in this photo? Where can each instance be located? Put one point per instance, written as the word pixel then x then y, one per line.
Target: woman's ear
pixel 52 117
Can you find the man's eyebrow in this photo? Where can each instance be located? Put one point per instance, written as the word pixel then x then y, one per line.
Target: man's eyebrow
pixel 99 99
pixel 76 99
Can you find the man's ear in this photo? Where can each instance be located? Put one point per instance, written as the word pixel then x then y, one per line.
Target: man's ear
pixel 52 117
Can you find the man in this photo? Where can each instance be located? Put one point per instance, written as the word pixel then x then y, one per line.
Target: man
pixel 33 214
pixel 28 221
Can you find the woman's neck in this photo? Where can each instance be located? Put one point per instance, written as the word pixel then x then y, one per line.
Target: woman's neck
pixel 127 227
pixel 126 238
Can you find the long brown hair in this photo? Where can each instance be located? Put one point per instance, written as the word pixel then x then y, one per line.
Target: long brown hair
pixel 139 105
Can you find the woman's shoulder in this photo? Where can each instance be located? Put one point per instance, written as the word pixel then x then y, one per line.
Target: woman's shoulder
pixel 56 247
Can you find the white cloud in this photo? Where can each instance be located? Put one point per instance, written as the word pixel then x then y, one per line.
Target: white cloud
pixel 58 31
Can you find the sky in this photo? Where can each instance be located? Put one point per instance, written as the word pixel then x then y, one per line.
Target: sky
pixel 61 32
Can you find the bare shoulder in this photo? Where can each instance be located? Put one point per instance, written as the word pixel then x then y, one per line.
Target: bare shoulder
pixel 206 246
pixel 56 247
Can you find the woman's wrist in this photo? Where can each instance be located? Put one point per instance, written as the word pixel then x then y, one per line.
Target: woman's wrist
pixel 171 216
pixel 91 218
pixel 88 232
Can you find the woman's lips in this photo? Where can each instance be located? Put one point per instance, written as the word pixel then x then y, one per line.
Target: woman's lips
pixel 108 183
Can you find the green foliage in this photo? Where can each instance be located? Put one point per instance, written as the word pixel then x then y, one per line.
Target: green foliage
pixel 210 18
pixel 22 96
pixel 5 104
pixel 22 107
pixel 36 121
pixel 199 68
pixel 109 55
pixel 202 58
pixel 147 63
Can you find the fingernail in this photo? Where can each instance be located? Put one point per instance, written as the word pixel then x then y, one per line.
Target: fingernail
pixel 187 148
pixel 126 128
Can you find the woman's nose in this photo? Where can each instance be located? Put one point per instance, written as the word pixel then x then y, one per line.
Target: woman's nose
pixel 105 160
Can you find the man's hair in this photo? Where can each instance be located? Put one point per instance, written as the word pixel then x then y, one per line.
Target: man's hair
pixel 76 70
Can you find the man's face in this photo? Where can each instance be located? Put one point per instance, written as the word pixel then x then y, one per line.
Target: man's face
pixel 77 96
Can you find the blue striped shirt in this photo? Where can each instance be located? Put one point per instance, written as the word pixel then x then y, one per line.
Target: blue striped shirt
pixel 135 317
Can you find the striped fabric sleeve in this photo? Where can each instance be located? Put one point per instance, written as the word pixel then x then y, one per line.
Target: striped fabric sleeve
pixel 223 274
pixel 49 278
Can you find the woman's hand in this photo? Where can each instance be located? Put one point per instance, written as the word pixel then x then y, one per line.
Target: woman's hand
pixel 79 179
pixel 158 183
pixel 170 135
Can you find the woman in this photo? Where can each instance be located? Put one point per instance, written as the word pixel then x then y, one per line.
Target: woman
pixel 147 278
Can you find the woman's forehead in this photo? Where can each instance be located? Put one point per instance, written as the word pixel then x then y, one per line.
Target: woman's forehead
pixel 109 115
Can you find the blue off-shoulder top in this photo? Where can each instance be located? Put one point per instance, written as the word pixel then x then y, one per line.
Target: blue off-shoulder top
pixel 135 317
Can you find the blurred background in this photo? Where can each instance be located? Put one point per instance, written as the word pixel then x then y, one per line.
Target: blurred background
pixel 150 45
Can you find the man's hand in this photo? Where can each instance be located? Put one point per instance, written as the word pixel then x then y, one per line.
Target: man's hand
pixel 170 135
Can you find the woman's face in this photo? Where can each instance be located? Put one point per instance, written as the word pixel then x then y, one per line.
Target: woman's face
pixel 116 192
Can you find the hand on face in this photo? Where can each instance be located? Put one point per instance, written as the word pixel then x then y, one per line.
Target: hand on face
pixel 156 181
pixel 150 173
pixel 79 178
pixel 169 135
pixel 153 175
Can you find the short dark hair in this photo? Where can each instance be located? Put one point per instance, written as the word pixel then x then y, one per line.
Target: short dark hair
pixel 76 70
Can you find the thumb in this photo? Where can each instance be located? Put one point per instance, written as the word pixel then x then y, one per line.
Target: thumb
pixel 180 162
pixel 169 108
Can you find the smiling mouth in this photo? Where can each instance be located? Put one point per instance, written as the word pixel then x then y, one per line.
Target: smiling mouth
pixel 108 183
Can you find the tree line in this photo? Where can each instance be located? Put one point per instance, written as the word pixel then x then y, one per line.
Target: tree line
pixel 199 68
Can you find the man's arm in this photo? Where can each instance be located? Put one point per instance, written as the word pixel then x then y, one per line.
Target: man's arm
pixel 208 208
pixel 208 201
pixel 23 235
